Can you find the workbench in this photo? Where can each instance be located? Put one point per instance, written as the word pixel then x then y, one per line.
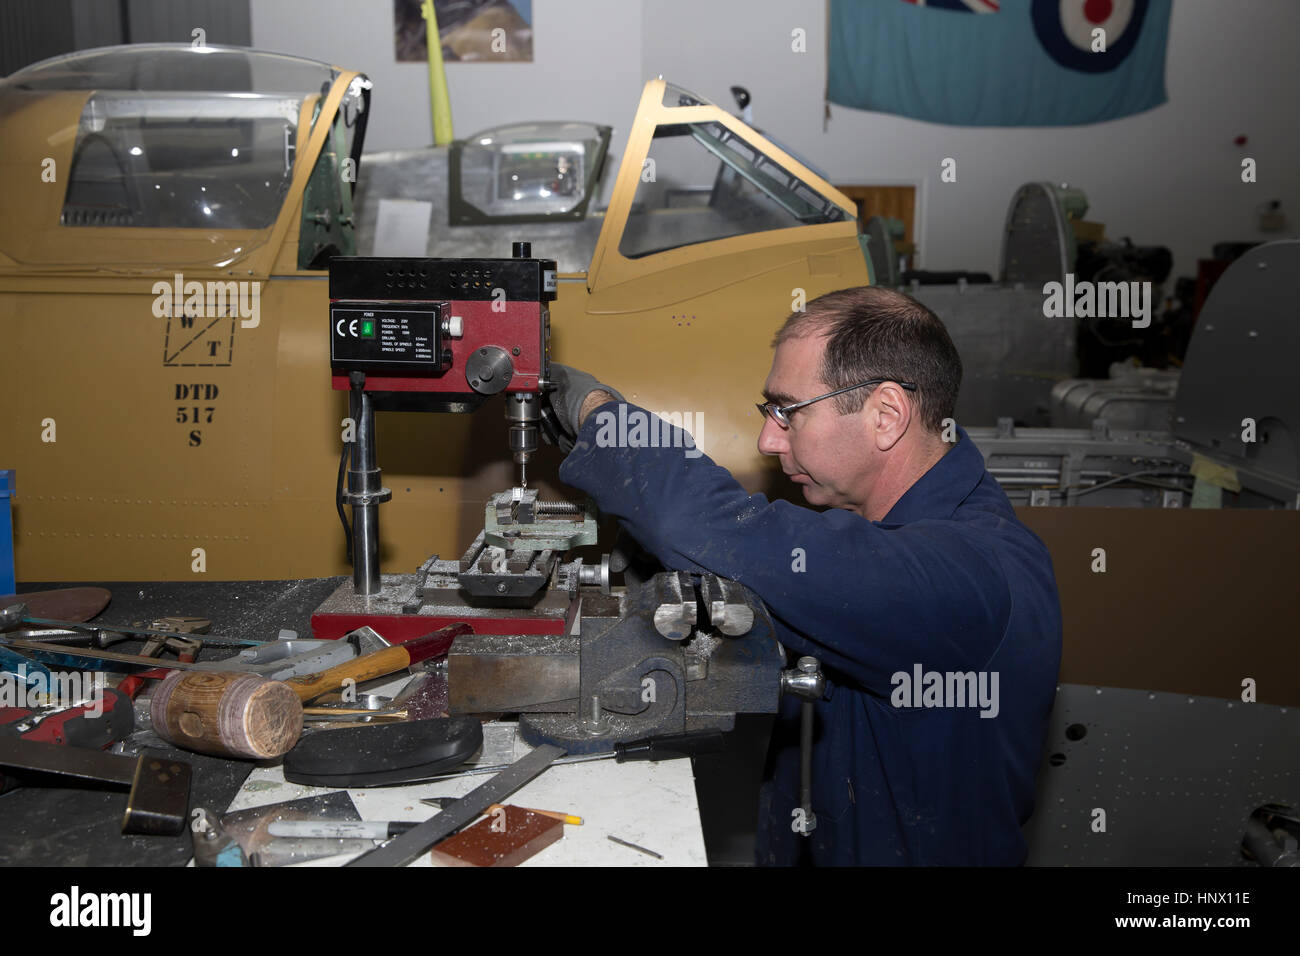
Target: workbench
pixel 650 804
pixel 653 805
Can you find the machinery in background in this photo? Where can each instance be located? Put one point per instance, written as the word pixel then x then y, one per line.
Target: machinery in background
pixel 1014 354
pixel 584 662
pixel 1220 433
pixel 1011 352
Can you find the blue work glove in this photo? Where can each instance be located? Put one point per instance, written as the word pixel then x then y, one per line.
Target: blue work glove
pixel 572 386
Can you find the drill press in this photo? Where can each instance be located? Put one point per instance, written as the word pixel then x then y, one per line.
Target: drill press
pixel 584 663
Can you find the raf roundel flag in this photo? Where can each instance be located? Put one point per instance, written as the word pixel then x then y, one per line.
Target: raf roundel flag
pixel 1020 63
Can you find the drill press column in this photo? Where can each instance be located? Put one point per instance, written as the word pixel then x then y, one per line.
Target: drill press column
pixel 365 490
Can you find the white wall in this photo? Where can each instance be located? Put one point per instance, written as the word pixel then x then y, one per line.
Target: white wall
pixel 1170 176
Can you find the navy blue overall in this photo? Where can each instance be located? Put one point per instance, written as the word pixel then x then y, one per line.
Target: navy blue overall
pixel 911 765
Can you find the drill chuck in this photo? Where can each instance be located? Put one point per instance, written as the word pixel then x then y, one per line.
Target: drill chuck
pixel 523 412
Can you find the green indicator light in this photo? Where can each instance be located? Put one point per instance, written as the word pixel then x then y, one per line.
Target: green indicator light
pixel 367 328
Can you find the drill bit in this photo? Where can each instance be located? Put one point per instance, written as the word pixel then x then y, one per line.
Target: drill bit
pixel 523 474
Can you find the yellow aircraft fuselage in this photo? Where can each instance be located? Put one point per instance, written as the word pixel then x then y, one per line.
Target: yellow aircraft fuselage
pixel 152 444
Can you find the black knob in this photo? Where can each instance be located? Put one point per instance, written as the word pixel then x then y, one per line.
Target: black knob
pixel 521 250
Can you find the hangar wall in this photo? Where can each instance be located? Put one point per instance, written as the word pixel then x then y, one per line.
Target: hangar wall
pixel 1170 176
pixel 1229 66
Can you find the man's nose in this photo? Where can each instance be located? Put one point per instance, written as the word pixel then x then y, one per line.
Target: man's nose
pixel 772 439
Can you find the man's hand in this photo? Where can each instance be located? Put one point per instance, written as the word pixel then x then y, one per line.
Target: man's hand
pixel 575 396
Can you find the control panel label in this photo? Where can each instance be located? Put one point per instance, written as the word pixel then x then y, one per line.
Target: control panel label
pixel 363 339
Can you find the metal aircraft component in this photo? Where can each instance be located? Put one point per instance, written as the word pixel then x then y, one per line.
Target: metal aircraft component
pixel 1038 242
pixel 1178 776
pixel 1119 453
pixel 1247 335
pixel 1132 399
pixel 1094 467
pixel 1011 352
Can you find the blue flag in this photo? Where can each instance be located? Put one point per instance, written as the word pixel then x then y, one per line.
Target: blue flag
pixel 1021 63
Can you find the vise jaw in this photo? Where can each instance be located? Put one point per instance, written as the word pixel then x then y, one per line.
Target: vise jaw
pixel 677 653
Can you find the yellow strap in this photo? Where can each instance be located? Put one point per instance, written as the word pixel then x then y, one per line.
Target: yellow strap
pixel 1212 473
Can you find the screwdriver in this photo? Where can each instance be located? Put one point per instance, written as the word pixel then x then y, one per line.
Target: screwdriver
pixel 649 748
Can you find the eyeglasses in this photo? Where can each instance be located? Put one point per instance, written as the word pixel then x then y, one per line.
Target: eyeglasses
pixel 780 413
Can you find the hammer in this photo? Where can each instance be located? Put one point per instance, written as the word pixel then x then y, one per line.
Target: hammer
pixel 160 786
pixel 242 715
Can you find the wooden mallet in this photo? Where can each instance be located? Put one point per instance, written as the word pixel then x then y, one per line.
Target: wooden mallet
pixel 230 714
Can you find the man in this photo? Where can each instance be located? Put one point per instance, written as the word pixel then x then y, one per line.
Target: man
pixel 932 609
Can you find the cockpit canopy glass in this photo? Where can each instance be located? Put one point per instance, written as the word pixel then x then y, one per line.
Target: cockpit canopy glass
pixel 180 137
pixel 703 182
pixel 170 67
pixel 526 172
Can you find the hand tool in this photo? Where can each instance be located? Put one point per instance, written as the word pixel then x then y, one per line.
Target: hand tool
pixel 341 829
pixel 226 713
pixel 424 696
pixel 76 725
pixel 807 682
pixel 212 845
pixel 102 637
pixel 96 725
pixel 378 663
pixel 159 785
pixel 242 715
pixel 103 632
pixel 403 849
pixel 439 803
pixel 268 659
pixel 351 714
pixel 187 651
pixel 633 846
pixel 60 655
pixel 651 748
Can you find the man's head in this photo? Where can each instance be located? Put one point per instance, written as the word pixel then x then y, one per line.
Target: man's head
pixel 862 449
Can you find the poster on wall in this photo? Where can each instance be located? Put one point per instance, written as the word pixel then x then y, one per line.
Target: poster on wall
pixel 481 31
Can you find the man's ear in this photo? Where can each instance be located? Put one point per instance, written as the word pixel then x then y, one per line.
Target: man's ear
pixel 890 415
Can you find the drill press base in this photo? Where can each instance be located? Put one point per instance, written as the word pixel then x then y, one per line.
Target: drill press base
pixel 407 607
